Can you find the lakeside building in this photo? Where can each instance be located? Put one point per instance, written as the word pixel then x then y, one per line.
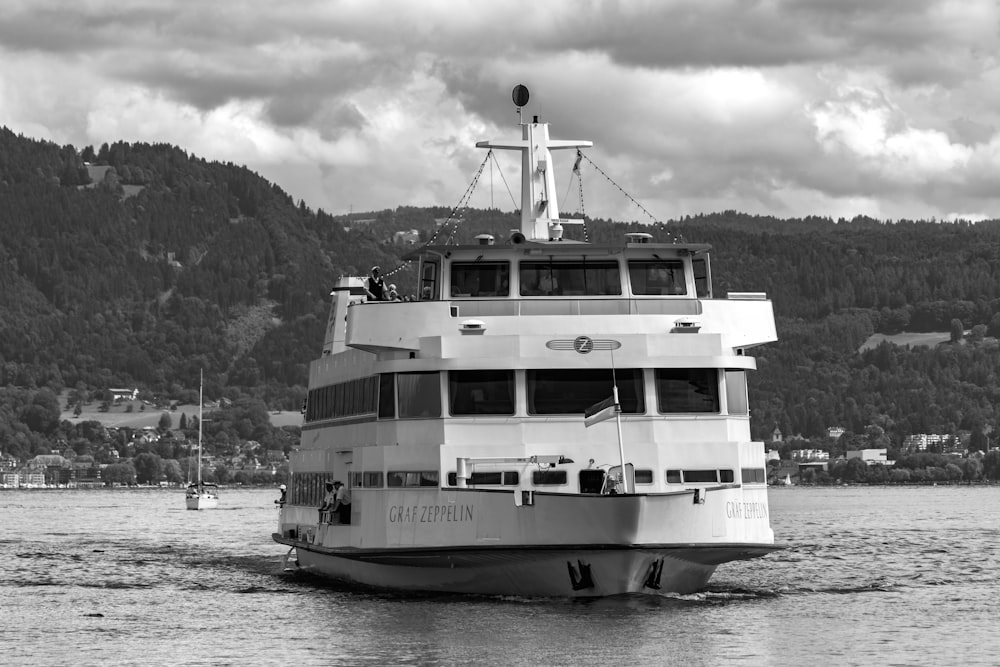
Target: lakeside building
pixel 809 455
pixel 870 456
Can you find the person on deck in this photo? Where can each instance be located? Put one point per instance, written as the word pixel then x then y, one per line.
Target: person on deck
pixel 342 503
pixel 280 502
pixel 375 286
pixel 329 500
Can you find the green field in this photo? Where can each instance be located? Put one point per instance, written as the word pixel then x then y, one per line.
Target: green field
pixel 116 416
pixel 907 338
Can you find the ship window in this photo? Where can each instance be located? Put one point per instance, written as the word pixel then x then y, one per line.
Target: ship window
pixel 419 394
pixel 480 279
pixel 582 278
pixel 344 399
pixel 700 476
pixel 591 481
pixel 736 393
pixel 726 476
pixel 504 478
pixel 702 278
pixel 372 480
pixel 411 478
pixel 386 396
pixel 687 390
pixel 673 477
pixel 487 392
pixel 643 476
pixel 753 475
pixel 572 391
pixel 657 276
pixel 428 281
pixel 548 477
pixel 307 488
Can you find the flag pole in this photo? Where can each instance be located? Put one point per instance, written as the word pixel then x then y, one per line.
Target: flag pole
pixel 618 422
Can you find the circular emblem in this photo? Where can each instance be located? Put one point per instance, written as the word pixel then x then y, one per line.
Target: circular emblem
pixel 583 344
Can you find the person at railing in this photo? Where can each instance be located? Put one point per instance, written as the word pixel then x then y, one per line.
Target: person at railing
pixel 280 502
pixel 329 500
pixel 341 503
pixel 375 286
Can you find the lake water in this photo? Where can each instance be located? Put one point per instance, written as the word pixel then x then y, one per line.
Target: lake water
pixel 873 576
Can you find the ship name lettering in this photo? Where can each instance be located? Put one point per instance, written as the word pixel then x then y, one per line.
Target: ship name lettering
pixel 746 510
pixel 430 513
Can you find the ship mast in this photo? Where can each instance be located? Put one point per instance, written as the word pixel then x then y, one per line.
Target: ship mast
pixel 540 219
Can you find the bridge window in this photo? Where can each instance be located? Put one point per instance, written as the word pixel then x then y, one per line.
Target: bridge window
pixel 428 281
pixel 479 279
pixel 572 391
pixel 486 392
pixel 702 278
pixel 687 390
pixel 419 394
pixel 657 276
pixel 582 278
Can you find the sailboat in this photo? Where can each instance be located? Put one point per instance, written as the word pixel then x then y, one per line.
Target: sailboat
pixel 201 495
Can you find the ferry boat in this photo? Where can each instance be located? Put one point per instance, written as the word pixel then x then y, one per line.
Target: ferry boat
pixel 549 418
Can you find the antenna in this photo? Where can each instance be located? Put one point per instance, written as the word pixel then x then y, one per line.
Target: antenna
pixel 520 97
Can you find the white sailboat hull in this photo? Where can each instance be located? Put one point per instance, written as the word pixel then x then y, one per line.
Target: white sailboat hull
pixel 202 501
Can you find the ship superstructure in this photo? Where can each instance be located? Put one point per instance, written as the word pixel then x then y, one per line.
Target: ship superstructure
pixel 469 425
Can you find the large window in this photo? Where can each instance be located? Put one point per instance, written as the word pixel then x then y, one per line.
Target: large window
pixel 488 392
pixel 736 393
pixel 386 396
pixel 572 391
pixel 657 276
pixel 419 394
pixel 344 399
pixel 687 390
pixel 593 278
pixel 480 279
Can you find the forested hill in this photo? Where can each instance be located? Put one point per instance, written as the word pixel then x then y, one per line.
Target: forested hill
pixel 139 265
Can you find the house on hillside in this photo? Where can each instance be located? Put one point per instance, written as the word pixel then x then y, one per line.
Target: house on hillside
pixel 121 394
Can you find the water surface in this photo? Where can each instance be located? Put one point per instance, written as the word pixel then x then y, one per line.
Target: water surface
pixel 887 576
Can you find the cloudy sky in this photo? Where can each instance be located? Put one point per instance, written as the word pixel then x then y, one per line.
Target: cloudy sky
pixel 887 108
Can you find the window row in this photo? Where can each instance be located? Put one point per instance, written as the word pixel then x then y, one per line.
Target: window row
pixel 596 277
pixel 560 392
pixel 591 480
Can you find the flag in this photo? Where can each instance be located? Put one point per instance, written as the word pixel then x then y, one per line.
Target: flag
pixel 598 412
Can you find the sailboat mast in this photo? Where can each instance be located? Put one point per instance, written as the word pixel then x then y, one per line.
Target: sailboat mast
pixel 201 404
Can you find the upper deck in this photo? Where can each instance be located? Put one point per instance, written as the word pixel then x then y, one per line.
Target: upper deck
pixel 547 288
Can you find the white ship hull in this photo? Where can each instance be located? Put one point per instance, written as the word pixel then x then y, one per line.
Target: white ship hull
pixel 528 572
pixel 559 546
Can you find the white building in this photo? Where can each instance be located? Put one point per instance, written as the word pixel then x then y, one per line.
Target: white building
pixel 869 456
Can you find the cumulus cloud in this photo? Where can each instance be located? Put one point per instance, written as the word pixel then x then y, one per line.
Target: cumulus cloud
pixel 783 107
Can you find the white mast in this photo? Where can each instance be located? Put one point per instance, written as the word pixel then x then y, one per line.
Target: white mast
pixel 539 203
pixel 201 403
